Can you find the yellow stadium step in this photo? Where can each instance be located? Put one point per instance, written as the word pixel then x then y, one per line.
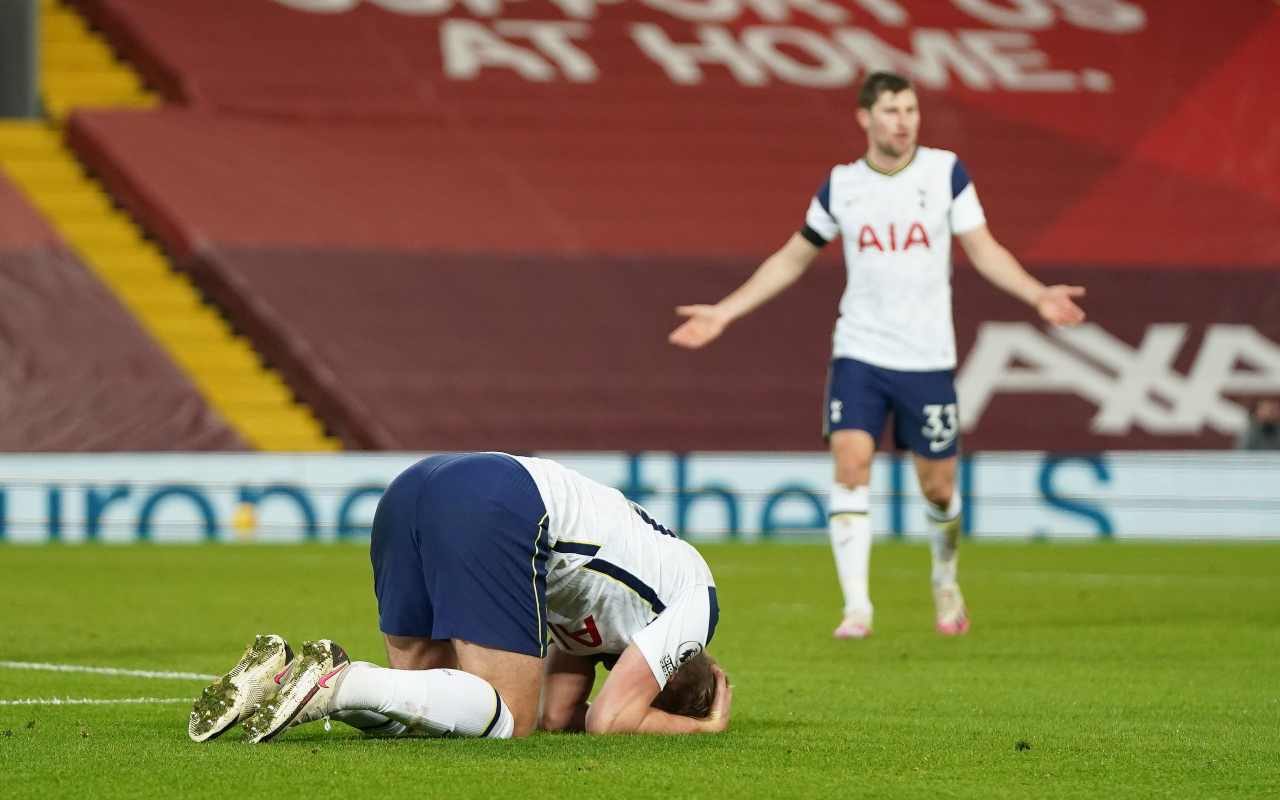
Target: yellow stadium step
pixel 109 231
pixel 76 54
pixel 75 204
pixel 178 326
pixel 261 422
pixel 266 395
pixel 79 70
pixel 22 140
pixel 111 82
pixel 44 172
pixel 159 298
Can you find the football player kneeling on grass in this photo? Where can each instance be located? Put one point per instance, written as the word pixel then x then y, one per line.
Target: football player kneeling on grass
pixel 479 558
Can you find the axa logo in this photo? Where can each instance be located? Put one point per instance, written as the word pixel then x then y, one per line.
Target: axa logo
pixel 892 239
pixel 1135 388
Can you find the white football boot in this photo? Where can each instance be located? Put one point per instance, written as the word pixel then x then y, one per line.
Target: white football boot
pixel 952 617
pixel 238 694
pixel 307 694
pixel 855 625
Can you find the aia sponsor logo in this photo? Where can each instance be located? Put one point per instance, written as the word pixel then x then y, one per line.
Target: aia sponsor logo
pixel 893 239
pixel 587 636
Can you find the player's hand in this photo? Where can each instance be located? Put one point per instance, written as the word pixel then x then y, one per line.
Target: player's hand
pixel 718 720
pixel 1057 307
pixel 703 325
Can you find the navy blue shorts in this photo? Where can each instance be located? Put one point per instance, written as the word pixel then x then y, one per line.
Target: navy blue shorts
pixel 860 397
pixel 459 551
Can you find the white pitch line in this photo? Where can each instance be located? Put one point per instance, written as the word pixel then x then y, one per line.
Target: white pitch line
pixel 90 701
pixel 135 673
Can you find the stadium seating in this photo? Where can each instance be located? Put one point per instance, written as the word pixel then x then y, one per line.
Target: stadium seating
pixel 79 70
pixel 78 373
pixel 488 261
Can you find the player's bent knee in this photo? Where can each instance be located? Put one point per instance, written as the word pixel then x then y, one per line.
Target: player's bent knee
pixel 852 474
pixel 517 677
pixel 938 492
pixel 853 468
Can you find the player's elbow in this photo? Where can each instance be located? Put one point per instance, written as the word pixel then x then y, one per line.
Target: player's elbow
pixel 605 718
pixel 598 721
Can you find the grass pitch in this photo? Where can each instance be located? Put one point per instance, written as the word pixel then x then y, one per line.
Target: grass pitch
pixel 1093 670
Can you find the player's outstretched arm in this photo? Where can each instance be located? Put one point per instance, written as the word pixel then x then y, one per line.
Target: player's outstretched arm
pixel 1055 304
pixel 704 323
pixel 624 702
pixel 565 690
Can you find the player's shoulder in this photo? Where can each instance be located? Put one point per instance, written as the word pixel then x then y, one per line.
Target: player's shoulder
pixel 846 175
pixel 944 168
pixel 848 169
pixel 936 156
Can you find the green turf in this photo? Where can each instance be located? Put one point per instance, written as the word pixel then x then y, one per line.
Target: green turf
pixel 1125 670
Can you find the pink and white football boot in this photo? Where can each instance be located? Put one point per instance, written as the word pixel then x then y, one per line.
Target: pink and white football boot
pixel 855 625
pixel 952 616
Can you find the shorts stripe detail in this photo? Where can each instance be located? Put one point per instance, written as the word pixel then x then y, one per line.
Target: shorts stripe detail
pixel 577 548
pixel 628 580
pixel 497 712
pixel 539 634
pixel 715 614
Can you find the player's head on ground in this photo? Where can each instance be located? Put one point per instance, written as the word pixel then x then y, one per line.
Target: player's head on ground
pixel 890 114
pixel 691 690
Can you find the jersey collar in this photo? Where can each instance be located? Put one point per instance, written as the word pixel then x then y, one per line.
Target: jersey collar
pixel 879 171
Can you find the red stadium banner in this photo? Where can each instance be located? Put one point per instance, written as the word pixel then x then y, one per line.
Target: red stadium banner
pixel 1084 122
pixel 559 175
pixel 1168 360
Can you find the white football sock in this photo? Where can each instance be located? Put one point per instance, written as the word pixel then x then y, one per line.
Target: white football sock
pixel 944 540
pixel 371 723
pixel 849 525
pixel 431 702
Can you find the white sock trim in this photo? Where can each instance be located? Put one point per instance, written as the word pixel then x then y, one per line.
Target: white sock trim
pixel 849 501
pixel 953 509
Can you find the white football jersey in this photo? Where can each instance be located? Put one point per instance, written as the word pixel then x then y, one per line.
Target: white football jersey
pixel 616 576
pixel 896 308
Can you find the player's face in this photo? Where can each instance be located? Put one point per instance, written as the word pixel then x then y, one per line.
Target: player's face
pixel 893 123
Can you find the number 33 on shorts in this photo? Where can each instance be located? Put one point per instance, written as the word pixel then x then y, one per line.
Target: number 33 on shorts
pixel 940 425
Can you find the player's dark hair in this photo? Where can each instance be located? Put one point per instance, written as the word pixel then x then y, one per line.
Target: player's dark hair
pixel 877 83
pixel 691 690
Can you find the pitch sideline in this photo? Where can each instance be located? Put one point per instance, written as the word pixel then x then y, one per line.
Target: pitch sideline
pixel 133 673
pixel 91 701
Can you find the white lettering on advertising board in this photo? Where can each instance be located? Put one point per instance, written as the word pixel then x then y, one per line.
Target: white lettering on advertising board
pixel 1133 387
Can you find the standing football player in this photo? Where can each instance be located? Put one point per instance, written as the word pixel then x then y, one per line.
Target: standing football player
pixel 897 208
